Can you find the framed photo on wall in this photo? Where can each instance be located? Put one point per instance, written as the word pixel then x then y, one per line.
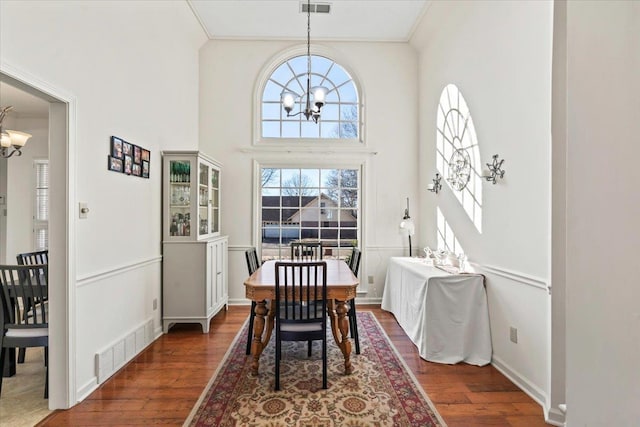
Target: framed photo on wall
pixel 128 163
pixel 116 147
pixel 137 154
pixel 114 164
pixel 136 169
pixel 146 155
pixel 145 169
pixel 127 149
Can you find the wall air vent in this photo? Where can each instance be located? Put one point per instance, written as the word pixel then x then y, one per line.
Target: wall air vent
pixel 316 7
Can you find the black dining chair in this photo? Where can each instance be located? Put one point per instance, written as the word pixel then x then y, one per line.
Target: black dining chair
pixel 24 288
pixel 306 251
pixel 31 258
pixel 301 293
pixel 252 265
pixel 354 265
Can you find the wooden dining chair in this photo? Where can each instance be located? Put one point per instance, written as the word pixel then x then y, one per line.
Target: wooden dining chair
pixel 354 265
pixel 31 258
pixel 306 251
pixel 301 293
pixel 24 288
pixel 253 264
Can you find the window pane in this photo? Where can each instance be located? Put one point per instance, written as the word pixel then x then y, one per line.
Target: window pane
pixel 310 177
pixel 310 130
pixel 290 129
pixel 271 111
pixel 330 112
pixel 272 92
pixel 271 129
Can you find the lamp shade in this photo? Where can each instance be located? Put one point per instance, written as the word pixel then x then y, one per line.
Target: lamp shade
pixel 5 140
pixel 18 139
pixel 288 99
pixel 407 227
pixel 319 95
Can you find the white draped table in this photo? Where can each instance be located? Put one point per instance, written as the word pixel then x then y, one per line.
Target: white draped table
pixel 445 315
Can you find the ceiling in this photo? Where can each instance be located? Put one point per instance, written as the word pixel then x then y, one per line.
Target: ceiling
pixel 23 103
pixel 352 20
pixel 348 20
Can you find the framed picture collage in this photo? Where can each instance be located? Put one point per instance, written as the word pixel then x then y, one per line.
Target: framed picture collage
pixel 128 158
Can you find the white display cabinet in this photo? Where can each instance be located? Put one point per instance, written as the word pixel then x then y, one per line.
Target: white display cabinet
pixel 194 254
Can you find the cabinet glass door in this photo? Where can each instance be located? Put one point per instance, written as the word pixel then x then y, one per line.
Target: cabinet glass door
pixel 180 197
pixel 203 199
pixel 215 200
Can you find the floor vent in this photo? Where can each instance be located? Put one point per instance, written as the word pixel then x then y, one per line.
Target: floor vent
pixel 316 7
pixel 114 357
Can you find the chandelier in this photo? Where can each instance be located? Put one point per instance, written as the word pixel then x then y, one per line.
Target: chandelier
pixel 314 96
pixel 11 138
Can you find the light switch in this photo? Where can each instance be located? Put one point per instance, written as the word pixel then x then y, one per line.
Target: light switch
pixel 84 210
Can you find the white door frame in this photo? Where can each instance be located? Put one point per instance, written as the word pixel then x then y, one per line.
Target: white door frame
pixel 62 272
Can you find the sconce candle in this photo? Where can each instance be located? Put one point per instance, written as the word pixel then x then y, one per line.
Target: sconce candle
pixel 436 186
pixel 495 170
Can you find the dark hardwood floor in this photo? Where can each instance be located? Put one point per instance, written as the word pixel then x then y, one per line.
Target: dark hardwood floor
pixel 163 383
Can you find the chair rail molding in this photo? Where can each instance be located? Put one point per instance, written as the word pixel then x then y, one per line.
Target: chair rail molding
pixel 116 271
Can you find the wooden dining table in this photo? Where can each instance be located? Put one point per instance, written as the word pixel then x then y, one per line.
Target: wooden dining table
pixel 341 288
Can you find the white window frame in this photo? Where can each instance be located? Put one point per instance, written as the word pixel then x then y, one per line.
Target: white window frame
pixel 262 80
pixel 308 163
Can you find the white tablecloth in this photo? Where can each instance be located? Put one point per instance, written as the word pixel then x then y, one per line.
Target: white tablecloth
pixel 445 315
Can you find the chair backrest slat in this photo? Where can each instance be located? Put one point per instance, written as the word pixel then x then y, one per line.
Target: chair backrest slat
pixel 306 251
pixel 252 260
pixel 354 261
pixel 30 258
pixel 24 294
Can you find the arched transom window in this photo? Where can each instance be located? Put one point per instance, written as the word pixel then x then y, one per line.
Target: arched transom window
pixel 339 116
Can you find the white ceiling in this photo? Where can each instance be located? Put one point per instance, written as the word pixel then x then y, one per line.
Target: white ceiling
pixel 349 20
pixel 353 20
pixel 23 103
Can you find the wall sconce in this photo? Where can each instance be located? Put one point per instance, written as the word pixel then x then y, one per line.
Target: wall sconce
pixel 436 186
pixel 11 138
pixel 495 170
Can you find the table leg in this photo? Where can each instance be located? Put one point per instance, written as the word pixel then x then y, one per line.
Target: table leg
pixel 258 343
pixel 340 329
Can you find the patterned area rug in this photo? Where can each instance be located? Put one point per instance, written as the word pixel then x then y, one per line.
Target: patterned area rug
pixel 380 392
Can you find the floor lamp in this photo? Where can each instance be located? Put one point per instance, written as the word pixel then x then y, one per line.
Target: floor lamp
pixel 407 227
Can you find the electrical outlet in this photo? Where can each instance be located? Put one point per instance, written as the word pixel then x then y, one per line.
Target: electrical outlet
pixel 370 279
pixel 155 303
pixel 513 335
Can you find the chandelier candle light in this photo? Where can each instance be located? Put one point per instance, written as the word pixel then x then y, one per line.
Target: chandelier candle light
pixel 318 93
pixel 11 138
pixel 407 227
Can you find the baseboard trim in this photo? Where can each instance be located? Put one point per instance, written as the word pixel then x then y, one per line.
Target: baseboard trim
pixel 121 269
pixel 84 391
pixel 555 417
pixel 534 392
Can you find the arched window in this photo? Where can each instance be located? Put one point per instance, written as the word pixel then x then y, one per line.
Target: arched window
pixel 458 156
pixel 339 116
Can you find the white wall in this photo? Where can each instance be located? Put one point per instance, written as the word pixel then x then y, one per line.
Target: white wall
pixel 132 68
pixel 499 56
pixel 21 184
pixel 387 74
pixel 603 208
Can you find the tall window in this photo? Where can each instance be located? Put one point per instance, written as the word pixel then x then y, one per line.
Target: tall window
pixel 339 116
pixel 41 205
pixel 309 205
